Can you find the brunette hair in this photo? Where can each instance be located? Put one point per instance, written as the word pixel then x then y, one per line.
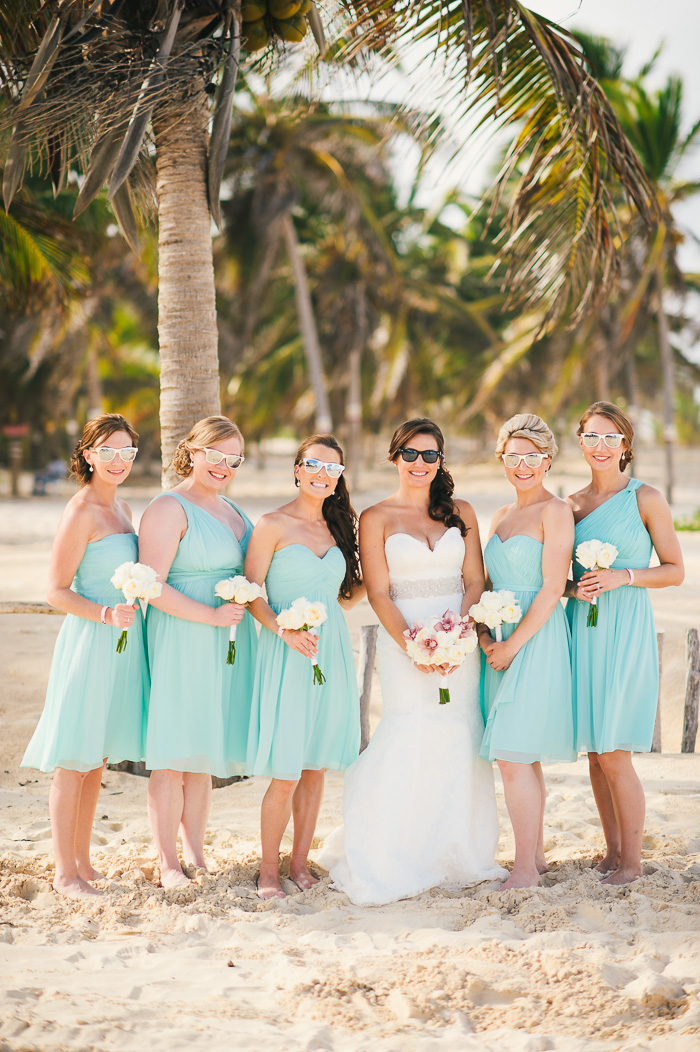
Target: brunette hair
pixel 619 420
pixel 527 425
pixel 205 432
pixel 339 514
pixel 441 503
pixel 99 428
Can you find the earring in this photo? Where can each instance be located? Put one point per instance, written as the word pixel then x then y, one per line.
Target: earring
pixel 546 472
pixel 91 468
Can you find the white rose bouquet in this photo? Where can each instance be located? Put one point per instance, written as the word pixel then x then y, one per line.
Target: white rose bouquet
pixel 304 615
pixel 442 640
pixel 135 581
pixel 595 555
pixel 495 609
pixel 239 590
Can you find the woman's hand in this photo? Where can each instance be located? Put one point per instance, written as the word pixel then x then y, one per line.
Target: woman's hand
pixel 121 616
pixel 594 582
pixel 301 640
pixel 499 655
pixel 227 614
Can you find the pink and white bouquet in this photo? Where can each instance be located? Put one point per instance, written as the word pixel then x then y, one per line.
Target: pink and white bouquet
pixel 135 581
pixel 442 640
pixel 239 590
pixel 304 615
pixel 595 555
pixel 495 609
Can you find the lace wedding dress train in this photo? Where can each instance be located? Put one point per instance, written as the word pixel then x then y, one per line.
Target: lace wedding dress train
pixel 420 809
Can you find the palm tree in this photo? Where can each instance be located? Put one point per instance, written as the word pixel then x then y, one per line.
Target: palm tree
pixel 87 80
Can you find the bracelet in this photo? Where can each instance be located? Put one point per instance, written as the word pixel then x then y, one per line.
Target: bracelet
pixel 103 614
pixel 631 573
pixel 279 632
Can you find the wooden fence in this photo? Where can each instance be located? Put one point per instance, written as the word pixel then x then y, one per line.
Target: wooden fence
pixel 368 650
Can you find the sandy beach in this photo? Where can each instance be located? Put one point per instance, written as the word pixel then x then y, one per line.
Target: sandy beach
pixel 571 965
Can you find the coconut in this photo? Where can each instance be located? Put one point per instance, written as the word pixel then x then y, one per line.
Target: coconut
pixel 283 9
pixel 255 35
pixel 252 10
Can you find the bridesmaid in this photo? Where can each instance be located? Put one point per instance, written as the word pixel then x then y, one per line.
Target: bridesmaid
pixel 96 698
pixel 615 665
pixel 199 705
pixel 526 680
pixel 305 548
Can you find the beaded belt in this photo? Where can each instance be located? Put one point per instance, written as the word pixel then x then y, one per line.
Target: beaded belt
pixel 426 588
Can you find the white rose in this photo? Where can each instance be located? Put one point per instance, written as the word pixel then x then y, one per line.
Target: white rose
pixel 490 600
pixel 291 619
pixel 607 554
pixel 511 614
pixel 154 591
pixel 491 618
pixel 130 589
pixel 315 614
pixel 506 597
pixel 225 589
pixel 477 611
pixel 587 554
pixel 121 575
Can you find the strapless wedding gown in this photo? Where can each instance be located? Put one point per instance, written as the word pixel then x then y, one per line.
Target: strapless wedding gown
pixel 420 808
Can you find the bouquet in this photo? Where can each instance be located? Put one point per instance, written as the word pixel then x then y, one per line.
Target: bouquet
pixel 239 590
pixel 595 555
pixel 442 640
pixel 135 581
pixel 495 609
pixel 304 615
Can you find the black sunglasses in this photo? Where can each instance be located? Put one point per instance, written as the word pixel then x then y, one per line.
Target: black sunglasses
pixel 430 456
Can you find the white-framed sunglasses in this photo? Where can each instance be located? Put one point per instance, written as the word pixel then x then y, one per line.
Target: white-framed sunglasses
pixel 313 466
pixel 532 460
pixel 215 456
pixel 592 438
pixel 108 453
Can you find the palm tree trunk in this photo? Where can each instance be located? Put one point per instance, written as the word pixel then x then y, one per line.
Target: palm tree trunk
pixel 189 364
pixel 666 355
pixel 307 324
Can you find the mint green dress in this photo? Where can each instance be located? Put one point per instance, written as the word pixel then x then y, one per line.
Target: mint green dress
pixel 528 707
pixel 96 699
pixel 294 725
pixel 615 665
pixel 199 705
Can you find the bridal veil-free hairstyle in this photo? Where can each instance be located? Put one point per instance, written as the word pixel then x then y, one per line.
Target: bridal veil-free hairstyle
pixel 206 432
pixel 527 425
pixel 97 430
pixel 620 421
pixel 441 503
pixel 340 516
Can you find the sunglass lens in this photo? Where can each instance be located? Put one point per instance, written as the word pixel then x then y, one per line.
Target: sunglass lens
pixel 213 456
pixel 334 470
pixel 313 465
pixel 409 455
pixel 613 441
pixel 128 454
pixel 105 454
pixel 430 455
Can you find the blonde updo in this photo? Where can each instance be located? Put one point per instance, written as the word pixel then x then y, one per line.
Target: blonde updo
pixel 527 425
pixel 619 420
pixel 97 430
pixel 206 432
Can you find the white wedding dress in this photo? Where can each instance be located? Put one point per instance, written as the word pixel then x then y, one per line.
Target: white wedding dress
pixel 420 808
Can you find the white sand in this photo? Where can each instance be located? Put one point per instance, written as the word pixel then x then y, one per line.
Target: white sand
pixel 571 966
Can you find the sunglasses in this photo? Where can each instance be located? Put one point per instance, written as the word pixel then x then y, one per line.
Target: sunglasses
pixel 108 453
pixel 333 470
pixel 532 460
pixel 215 456
pixel 430 456
pixel 592 438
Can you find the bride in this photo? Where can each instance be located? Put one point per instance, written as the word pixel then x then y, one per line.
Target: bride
pixel 420 809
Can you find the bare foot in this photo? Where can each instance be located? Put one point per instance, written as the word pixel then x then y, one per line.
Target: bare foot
pixel 608 864
pixel 623 875
pixel 198 865
pixel 300 876
pixel 88 872
pixel 73 888
pixel 173 878
pixel 269 887
pixel 521 879
pixel 541 864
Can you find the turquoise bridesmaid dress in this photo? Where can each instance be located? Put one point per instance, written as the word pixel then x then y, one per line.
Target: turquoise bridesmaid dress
pixel 615 665
pixel 96 699
pixel 294 725
pixel 199 706
pixel 528 708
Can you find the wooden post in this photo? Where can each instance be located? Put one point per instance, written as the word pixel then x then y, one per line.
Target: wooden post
pixel 692 693
pixel 368 649
pixel 656 740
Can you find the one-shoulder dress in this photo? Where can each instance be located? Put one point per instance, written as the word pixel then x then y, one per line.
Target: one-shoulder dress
pixel 96 699
pixel 615 665
pixel 420 806
pixel 528 707
pixel 294 724
pixel 199 706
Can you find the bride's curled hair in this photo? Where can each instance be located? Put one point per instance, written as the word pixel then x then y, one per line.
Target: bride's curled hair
pixel 441 502
pixel 339 514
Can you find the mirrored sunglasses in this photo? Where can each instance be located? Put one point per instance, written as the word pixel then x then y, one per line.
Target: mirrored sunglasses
pixel 592 438
pixel 430 456
pixel 532 460
pixel 215 456
pixel 107 453
pixel 333 470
